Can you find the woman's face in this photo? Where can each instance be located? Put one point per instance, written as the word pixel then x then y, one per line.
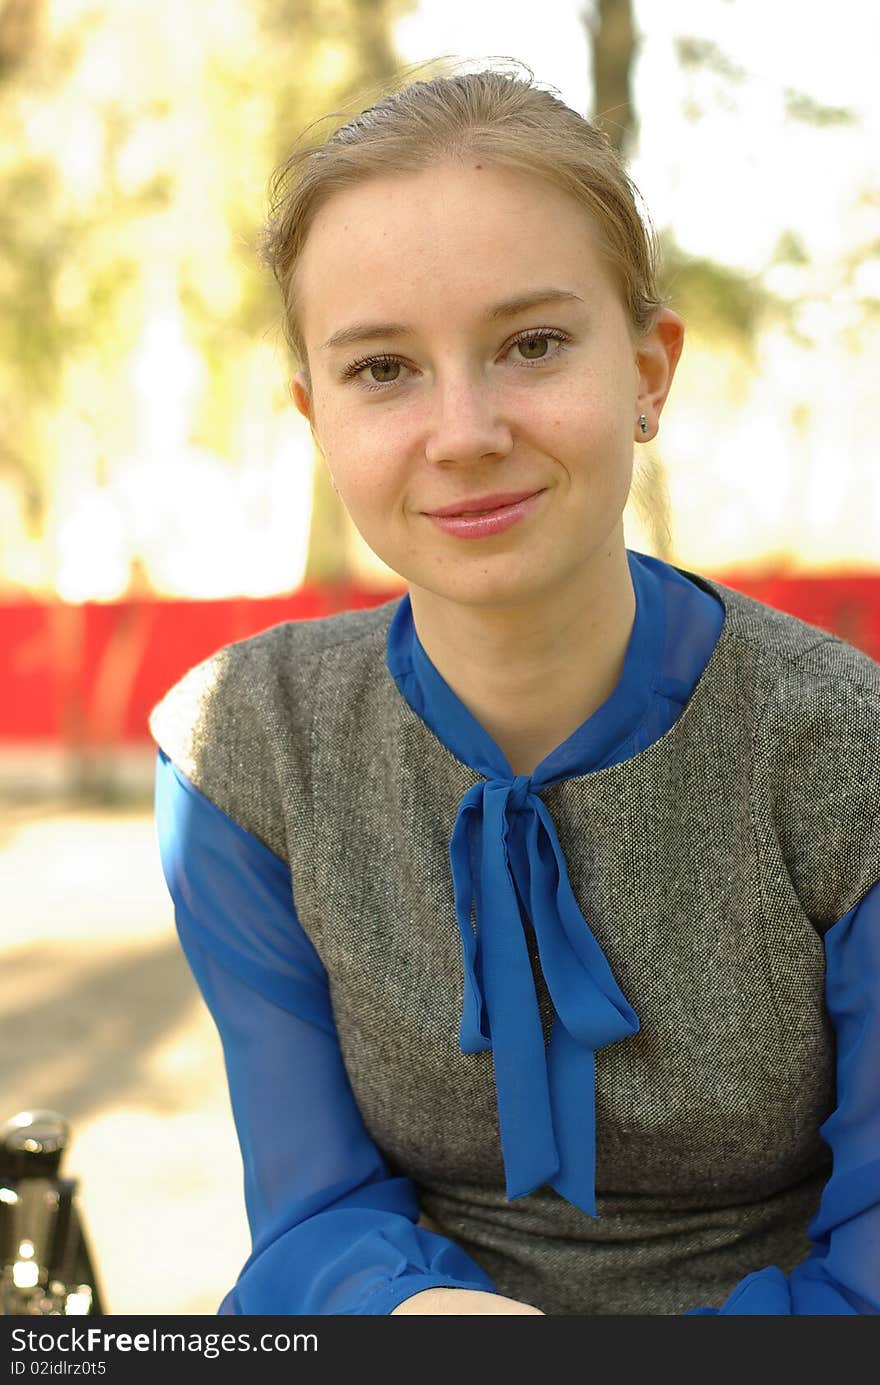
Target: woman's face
pixel 450 395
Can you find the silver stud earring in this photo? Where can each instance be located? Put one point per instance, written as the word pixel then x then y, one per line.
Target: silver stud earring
pixel 643 424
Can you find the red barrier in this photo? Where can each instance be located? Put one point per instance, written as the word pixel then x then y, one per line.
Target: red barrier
pixel 87 675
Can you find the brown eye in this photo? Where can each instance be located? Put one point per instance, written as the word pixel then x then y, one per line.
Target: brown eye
pixel 528 344
pixel 358 371
pixel 534 347
pixel 384 366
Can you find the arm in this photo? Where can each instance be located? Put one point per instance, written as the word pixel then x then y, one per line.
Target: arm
pixel 841 1275
pixel 333 1231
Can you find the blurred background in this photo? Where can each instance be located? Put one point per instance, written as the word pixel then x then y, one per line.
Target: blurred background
pixel 160 495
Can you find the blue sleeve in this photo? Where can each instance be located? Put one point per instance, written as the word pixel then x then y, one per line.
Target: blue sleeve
pixel 333 1231
pixel 841 1275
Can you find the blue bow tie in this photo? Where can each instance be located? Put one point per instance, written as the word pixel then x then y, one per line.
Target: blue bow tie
pixel 546 1101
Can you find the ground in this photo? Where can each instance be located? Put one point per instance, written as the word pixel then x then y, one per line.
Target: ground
pixel 101 1020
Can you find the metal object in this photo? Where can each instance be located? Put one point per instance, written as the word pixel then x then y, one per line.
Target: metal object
pixel 45 1263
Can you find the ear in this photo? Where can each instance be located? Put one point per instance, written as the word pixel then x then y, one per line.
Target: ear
pixel 301 395
pixel 299 390
pixel 657 355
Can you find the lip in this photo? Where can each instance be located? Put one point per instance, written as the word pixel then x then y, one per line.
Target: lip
pixel 481 502
pixel 485 526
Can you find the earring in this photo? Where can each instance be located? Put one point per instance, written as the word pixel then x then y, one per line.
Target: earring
pixel 643 424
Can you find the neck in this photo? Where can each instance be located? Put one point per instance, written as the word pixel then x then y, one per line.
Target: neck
pixel 531 674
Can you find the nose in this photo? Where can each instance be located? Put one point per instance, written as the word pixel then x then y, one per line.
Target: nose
pixel 466 423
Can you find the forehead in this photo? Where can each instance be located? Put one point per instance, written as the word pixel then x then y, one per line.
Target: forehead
pixel 450 232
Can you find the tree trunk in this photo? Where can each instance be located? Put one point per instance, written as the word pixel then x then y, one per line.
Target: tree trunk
pixel 614 44
pixel 20 22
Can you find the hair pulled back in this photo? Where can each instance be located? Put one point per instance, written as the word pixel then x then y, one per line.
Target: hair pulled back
pixel 499 118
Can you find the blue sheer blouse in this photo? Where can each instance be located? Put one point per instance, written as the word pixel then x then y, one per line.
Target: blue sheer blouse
pixel 333 1231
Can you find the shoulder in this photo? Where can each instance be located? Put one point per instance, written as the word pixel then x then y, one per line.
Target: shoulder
pixel 814 704
pixel 782 639
pixel 790 659
pixel 829 694
pixel 820 696
pixel 231 698
pixel 817 774
pixel 818 744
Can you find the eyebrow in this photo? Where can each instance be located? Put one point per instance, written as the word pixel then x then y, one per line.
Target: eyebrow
pixel 361 331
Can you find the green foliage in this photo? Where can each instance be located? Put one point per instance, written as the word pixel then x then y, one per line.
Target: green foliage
pixel 719 300
pixel 33 334
pixel 703 53
pixel 799 106
pixel 789 249
pixel 177 197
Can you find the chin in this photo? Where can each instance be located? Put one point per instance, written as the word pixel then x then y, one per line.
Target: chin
pixel 481 591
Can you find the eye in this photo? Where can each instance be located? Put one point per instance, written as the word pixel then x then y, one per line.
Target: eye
pixel 535 339
pixel 380 363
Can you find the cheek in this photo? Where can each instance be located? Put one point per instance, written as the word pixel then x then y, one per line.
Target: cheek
pixel 366 481
pixel 371 456
pixel 588 420
pixel 347 449
pixel 594 390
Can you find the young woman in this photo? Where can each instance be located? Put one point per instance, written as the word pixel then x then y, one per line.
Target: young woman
pixel 538 909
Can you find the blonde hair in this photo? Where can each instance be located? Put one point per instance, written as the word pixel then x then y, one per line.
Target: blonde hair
pixel 502 119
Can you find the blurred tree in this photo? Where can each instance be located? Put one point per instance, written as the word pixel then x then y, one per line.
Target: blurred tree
pixel 725 302
pixel 59 288
pixel 27 339
pixel 135 152
pixel 719 302
pixel 19 27
pixel 613 44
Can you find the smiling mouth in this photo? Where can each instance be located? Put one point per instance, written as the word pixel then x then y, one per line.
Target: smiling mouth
pixel 502 503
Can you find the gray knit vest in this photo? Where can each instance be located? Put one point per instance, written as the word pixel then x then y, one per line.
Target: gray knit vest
pixel 708 866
